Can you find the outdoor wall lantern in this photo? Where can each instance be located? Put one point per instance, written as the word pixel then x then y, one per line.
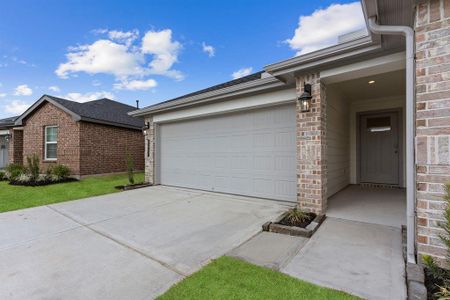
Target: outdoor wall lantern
pixel 8 137
pixel 146 127
pixel 305 98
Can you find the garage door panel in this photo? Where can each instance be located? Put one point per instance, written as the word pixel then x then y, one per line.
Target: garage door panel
pixel 250 153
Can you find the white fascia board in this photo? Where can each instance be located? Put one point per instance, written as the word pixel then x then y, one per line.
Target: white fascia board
pixel 327 55
pixel 235 90
pixel 239 104
pixel 4 132
pixel 374 66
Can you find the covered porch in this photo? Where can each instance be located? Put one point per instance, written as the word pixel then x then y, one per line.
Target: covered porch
pixel 383 206
pixel 366 141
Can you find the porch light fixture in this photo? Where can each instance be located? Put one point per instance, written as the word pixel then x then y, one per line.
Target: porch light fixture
pixel 146 126
pixel 8 137
pixel 305 98
pixel 371 81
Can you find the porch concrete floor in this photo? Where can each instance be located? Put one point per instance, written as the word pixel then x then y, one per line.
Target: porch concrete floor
pixel 382 206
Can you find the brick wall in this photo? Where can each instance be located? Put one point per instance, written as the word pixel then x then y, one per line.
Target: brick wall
pixel 433 120
pixel 15 151
pixel 68 137
pixel 150 152
pixel 311 148
pixel 104 148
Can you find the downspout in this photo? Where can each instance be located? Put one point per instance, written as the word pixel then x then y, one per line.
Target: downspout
pixel 408 33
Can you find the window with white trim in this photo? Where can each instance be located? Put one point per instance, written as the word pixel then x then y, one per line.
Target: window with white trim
pixel 51 142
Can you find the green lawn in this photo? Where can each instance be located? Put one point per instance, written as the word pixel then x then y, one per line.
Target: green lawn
pixel 229 278
pixel 17 197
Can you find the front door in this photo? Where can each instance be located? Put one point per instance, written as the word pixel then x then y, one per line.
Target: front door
pixel 3 152
pixel 379 148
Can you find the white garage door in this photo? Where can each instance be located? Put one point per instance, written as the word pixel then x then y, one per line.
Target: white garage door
pixel 249 153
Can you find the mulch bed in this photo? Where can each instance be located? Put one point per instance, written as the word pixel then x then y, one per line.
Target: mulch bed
pixel 311 216
pixel 42 182
pixel 431 283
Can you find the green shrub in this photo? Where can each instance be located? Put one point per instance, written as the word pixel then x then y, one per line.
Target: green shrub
pixel 130 168
pixel 13 171
pixel 3 175
pixel 442 275
pixel 33 167
pixel 59 172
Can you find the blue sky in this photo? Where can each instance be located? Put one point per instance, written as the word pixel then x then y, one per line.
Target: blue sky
pixel 152 50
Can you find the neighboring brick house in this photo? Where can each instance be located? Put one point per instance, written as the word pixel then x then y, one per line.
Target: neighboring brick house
pixel 262 136
pixel 90 138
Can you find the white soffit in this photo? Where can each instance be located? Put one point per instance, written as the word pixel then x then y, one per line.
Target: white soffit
pixel 243 103
pixel 3 132
pixel 379 65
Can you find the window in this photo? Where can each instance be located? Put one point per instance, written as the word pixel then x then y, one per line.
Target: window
pixel 379 124
pixel 51 142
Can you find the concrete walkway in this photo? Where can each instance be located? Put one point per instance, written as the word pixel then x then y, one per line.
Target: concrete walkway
pixel 130 245
pixel 359 258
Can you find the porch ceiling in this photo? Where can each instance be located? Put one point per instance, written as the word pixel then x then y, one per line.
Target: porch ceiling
pixel 385 85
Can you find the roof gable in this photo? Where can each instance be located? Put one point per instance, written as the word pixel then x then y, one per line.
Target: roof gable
pixel 102 111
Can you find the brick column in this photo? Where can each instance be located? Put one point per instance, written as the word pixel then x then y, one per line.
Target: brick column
pixel 311 148
pixel 15 151
pixel 150 151
pixel 432 120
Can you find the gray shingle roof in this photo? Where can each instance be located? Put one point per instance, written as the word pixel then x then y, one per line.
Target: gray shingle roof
pixel 244 79
pixel 8 122
pixel 103 110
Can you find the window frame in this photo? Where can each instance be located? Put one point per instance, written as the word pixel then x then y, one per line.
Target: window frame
pixel 52 143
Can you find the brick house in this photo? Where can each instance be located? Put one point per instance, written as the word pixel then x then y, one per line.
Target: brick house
pixel 368 141
pixel 90 138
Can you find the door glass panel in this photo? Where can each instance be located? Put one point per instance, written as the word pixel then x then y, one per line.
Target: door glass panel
pixel 378 124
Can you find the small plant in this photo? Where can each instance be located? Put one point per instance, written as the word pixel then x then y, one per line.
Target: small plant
pixel 23 178
pixel 3 175
pixel 33 166
pixel 442 275
pixel 296 216
pixel 59 172
pixel 130 168
pixel 13 171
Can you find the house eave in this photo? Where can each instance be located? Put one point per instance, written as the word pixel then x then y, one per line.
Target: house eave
pixel 19 121
pixel 255 86
pixel 114 124
pixel 342 52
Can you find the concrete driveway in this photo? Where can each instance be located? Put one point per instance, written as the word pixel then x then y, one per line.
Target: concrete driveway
pixel 130 245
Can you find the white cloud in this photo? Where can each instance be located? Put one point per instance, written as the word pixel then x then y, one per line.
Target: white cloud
pixel 103 56
pixel 125 37
pixel 242 72
pixel 2 95
pixel 134 85
pixel 16 107
pixel 23 90
pixel 86 97
pixel 165 52
pixel 208 49
pixel 54 88
pixel 121 55
pixel 323 26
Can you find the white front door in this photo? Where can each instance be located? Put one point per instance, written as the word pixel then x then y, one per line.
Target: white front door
pixel 3 151
pixel 379 144
pixel 249 153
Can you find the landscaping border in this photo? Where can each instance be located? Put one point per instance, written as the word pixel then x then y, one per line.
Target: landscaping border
pixel 293 230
